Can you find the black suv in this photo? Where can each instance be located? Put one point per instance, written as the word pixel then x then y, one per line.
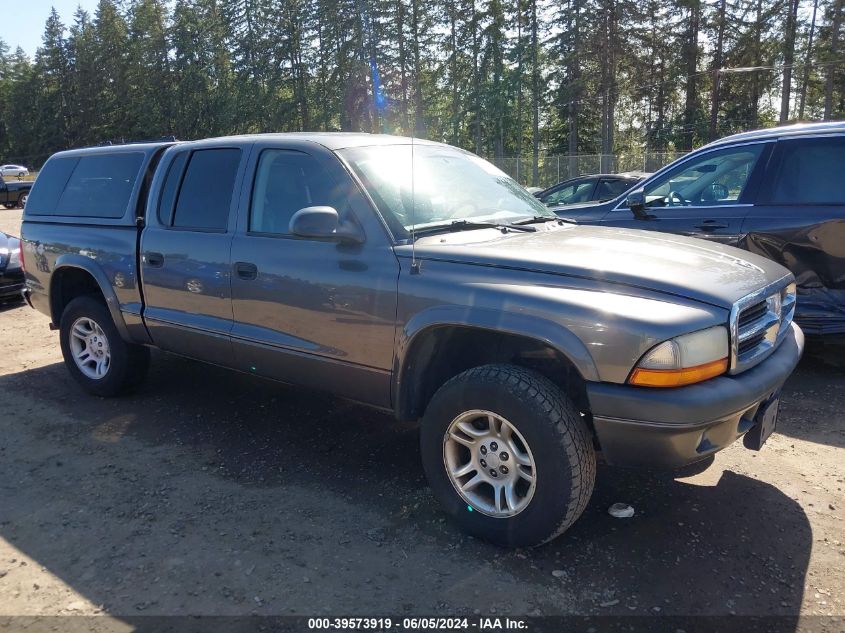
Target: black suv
pixel 773 192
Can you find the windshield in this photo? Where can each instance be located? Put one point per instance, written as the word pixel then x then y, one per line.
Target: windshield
pixel 448 185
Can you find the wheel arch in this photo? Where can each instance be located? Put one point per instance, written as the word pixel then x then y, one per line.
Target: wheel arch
pixel 75 276
pixel 437 346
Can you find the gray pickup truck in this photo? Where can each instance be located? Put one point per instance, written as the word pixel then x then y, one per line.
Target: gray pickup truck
pixel 416 278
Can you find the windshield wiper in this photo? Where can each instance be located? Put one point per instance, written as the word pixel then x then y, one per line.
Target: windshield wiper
pixel 466 225
pixel 541 218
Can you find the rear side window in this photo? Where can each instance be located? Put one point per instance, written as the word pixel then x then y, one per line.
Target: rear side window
pixel 571 194
pixel 207 187
pixel 170 188
pixel 810 172
pixel 97 186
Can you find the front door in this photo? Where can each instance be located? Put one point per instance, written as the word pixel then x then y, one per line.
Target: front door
pixel 309 311
pixel 185 266
pixel 707 196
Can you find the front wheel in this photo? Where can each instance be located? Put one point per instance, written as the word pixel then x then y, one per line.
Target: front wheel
pixel 95 354
pixel 22 200
pixel 508 455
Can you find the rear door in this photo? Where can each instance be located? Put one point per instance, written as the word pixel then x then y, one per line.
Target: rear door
pixel 185 266
pixel 706 196
pixel 799 222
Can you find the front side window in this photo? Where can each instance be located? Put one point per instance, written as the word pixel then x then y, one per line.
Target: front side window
pixel 715 178
pixel 570 194
pixel 438 185
pixel 285 182
pixel 207 187
pixel 810 172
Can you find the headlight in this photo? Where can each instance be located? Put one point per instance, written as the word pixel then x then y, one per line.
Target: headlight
pixel 684 360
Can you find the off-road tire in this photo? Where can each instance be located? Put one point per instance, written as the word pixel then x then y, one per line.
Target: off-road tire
pixel 553 428
pixel 128 364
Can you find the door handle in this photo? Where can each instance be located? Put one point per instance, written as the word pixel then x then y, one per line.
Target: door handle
pixel 154 260
pixel 710 225
pixel 246 270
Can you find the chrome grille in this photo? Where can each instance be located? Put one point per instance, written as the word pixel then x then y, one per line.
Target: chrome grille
pixel 759 322
pixel 752 313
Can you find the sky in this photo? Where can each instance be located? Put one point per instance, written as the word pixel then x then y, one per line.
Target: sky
pixel 22 23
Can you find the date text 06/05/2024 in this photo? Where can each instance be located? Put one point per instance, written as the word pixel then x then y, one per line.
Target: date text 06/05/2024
pixel 418 624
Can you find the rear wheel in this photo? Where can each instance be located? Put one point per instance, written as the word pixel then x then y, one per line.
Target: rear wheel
pixel 508 455
pixel 95 354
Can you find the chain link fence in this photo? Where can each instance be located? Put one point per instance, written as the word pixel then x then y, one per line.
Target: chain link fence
pixel 554 168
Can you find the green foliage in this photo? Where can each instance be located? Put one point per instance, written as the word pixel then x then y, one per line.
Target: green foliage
pixel 504 78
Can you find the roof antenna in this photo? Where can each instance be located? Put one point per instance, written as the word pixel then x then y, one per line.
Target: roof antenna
pixel 415 265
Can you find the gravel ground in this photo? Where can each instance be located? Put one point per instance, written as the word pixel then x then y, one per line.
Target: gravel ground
pixel 212 493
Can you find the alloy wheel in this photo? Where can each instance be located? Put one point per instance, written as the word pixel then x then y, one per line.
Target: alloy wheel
pixel 489 463
pixel 90 348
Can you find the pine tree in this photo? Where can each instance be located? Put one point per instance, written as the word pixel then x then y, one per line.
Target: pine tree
pixel 109 85
pixel 149 94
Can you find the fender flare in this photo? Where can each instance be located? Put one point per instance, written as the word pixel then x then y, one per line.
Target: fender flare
pixel 535 328
pixel 80 262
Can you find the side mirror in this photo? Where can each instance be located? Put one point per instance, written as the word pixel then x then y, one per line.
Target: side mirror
pixel 636 203
pixel 324 223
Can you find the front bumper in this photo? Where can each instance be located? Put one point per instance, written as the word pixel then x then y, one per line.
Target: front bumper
pixel 641 426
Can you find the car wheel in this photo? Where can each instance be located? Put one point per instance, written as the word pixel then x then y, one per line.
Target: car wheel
pixel 508 455
pixel 95 354
pixel 22 200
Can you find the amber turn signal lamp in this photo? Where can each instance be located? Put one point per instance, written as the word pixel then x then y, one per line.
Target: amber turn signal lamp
pixel 678 377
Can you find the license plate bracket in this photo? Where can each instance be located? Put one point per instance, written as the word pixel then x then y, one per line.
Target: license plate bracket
pixel 765 422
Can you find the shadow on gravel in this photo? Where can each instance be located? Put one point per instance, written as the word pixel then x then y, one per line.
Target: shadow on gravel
pixel 212 492
pixel 8 306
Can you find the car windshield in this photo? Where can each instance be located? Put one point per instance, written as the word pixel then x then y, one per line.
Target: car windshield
pixel 448 185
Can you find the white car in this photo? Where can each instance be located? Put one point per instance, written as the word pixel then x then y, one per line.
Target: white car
pixel 14 170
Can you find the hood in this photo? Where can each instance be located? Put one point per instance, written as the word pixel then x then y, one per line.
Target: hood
pixel 682 266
